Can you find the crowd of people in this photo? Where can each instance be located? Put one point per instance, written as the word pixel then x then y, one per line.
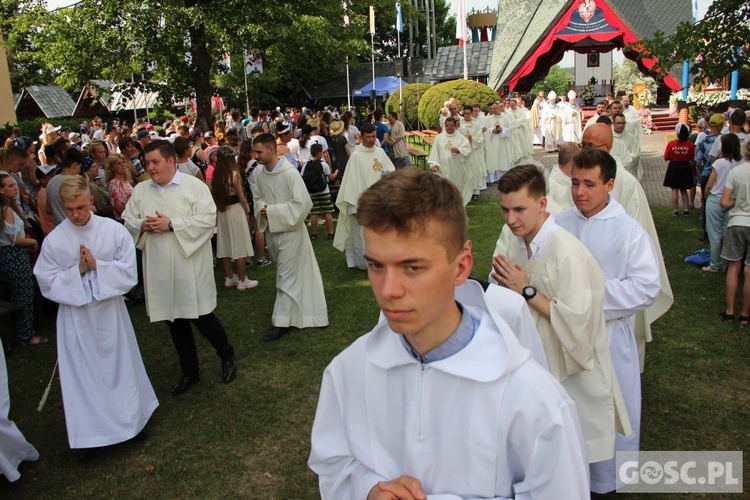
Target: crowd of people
pixel 551 345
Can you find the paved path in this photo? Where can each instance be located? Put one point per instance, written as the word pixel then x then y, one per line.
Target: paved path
pixel 652 158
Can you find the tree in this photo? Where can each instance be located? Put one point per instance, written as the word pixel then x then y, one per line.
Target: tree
pixel 25 68
pixel 558 79
pixel 177 44
pixel 714 46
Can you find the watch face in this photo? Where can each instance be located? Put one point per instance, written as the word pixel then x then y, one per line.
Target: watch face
pixel 529 292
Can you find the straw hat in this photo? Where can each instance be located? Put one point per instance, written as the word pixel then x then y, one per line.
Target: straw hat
pixel 337 126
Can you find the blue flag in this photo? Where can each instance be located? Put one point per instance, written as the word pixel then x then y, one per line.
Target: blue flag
pixel 399 18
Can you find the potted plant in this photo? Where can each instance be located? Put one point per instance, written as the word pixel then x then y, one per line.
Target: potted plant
pixel 587 94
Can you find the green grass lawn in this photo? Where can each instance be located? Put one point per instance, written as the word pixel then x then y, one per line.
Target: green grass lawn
pixel 251 438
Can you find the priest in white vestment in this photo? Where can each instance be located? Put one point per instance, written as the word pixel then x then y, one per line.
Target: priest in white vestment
pixel 570 118
pixel 281 204
pixel 86 265
pixel 628 259
pixel 601 109
pixel 497 145
pixel 365 167
pixel 632 144
pixel 448 159
pixel 172 216
pixel 551 123
pixel 439 400
pixel 558 181
pixel 629 192
pixel 536 121
pixel 471 128
pixel 564 287
pixel 524 116
pixel 634 125
pixel 14 448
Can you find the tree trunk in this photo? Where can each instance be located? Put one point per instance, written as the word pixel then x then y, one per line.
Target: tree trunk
pixel 201 70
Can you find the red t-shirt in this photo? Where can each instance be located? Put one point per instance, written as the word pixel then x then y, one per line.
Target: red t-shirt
pixel 678 150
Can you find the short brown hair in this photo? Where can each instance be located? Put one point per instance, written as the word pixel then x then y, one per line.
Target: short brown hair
pixel 527 175
pixel 406 200
pixel 592 158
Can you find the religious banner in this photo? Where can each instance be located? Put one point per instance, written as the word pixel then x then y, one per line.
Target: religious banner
pixel 588 18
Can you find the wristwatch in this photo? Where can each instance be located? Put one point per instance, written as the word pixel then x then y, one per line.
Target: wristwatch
pixel 169 225
pixel 528 292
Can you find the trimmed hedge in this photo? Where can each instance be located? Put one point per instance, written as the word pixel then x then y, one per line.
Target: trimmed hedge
pixel 464 91
pixel 413 92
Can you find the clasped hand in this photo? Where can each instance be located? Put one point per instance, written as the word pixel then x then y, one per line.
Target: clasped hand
pixel 156 224
pixel 401 488
pixel 508 274
pixel 87 262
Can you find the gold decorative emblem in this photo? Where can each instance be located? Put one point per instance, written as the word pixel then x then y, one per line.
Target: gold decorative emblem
pixel 449 145
pixel 377 166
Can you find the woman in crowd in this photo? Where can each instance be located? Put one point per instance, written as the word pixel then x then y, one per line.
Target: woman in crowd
pixel 184 164
pixel 350 130
pixel 118 180
pixel 679 177
pixel 14 262
pixel 716 217
pixel 233 233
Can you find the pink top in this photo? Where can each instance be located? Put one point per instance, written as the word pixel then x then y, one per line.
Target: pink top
pixel 119 190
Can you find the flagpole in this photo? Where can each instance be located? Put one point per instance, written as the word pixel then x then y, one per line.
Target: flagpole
pixel 372 44
pixel 348 89
pixel 399 27
pixel 247 95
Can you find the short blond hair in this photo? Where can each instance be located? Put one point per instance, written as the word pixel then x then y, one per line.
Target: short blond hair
pixel 73 187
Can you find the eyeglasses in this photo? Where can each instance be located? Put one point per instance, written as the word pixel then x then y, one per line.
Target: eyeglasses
pixel 588 145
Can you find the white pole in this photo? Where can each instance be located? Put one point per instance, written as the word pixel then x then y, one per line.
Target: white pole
pixel 400 94
pixel 372 56
pixel 247 96
pixel 348 89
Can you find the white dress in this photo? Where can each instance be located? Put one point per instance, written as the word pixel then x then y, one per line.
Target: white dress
pixel 453 166
pixel 627 257
pixel 14 448
pixel 177 265
pixel 365 167
pixel 106 392
pixel 300 298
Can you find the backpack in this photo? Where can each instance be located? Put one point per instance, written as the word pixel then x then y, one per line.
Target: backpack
pixel 315 178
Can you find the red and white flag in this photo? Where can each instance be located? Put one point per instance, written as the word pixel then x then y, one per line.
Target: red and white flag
pixel 460 22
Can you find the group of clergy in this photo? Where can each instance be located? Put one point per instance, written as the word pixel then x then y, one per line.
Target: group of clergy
pixel 475 149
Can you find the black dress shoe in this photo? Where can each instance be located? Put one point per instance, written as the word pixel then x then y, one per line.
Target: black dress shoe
pixel 275 333
pixel 184 384
pixel 228 370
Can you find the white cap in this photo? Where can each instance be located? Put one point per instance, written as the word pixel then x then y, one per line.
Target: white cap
pixel 571 94
pixel 552 95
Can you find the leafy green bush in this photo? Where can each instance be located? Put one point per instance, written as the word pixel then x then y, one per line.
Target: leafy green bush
pixel 33 128
pixel 464 91
pixel 412 94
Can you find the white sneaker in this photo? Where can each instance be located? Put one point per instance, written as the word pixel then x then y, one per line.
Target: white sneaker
pixel 248 283
pixel 230 282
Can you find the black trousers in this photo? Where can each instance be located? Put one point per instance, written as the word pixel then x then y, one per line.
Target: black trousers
pixel 182 336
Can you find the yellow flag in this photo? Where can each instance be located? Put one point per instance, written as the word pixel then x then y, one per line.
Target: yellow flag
pixel 372 19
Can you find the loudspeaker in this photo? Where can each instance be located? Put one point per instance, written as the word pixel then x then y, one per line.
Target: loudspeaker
pixel 399 67
pixel 415 66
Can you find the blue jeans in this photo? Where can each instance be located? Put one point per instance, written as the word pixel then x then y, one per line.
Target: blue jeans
pixel 716 226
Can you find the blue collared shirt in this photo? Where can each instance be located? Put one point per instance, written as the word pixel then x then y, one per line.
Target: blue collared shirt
pixel 459 339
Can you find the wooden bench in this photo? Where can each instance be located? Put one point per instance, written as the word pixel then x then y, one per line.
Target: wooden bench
pixel 418 157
